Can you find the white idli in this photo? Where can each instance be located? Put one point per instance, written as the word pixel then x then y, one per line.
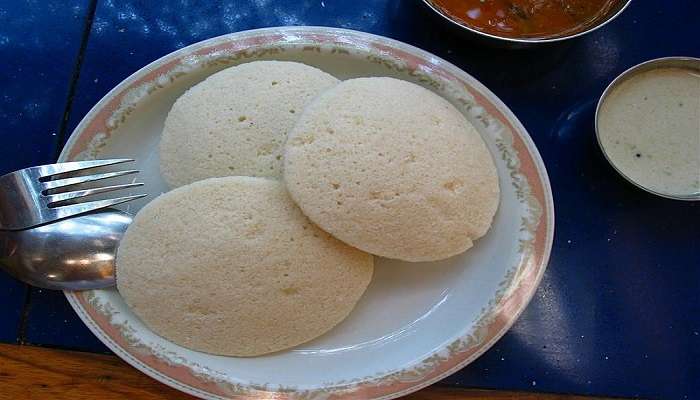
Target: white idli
pixel 392 169
pixel 231 266
pixel 235 122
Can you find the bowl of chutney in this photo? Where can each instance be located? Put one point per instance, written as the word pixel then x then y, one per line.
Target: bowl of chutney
pixel 513 22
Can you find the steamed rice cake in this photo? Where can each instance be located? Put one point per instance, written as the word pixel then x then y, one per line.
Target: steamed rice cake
pixel 392 169
pixel 235 122
pixel 231 266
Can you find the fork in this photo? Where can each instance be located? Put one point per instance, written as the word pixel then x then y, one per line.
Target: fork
pixel 36 195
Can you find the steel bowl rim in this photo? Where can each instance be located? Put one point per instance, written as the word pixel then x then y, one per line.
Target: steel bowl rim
pixel 628 73
pixel 595 27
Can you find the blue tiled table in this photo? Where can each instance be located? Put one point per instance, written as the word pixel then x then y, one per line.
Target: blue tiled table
pixel 618 311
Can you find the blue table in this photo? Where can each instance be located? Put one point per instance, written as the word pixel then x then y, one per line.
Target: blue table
pixel 618 311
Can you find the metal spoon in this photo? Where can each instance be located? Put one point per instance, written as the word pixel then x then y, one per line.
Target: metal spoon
pixel 71 254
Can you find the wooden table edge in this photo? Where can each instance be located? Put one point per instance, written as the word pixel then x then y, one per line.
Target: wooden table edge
pixel 30 372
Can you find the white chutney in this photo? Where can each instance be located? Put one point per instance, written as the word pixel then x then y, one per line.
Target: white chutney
pixel 649 129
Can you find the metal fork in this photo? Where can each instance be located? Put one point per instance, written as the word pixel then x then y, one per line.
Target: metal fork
pixel 32 196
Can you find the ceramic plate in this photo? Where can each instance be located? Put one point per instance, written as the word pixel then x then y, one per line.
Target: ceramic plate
pixel 417 323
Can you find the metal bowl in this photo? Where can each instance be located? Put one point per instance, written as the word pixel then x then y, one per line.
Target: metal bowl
pixel 665 62
pixel 502 41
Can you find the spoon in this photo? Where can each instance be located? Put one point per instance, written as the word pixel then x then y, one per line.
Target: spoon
pixel 71 254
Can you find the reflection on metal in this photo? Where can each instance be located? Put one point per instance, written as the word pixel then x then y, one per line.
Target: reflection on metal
pixel 72 254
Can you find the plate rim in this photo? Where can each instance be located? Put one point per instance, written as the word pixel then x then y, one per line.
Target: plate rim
pixel 519 131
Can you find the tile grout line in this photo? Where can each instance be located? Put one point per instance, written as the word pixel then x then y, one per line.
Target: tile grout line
pixel 87 27
pixel 92 7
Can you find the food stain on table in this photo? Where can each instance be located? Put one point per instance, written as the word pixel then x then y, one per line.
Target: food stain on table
pixel 528 18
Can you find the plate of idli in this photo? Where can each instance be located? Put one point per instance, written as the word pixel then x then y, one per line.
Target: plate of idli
pixel 331 214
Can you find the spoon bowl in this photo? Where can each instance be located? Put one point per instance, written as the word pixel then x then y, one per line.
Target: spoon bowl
pixel 71 254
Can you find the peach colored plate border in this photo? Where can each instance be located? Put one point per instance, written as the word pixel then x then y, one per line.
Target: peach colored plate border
pixel 97 122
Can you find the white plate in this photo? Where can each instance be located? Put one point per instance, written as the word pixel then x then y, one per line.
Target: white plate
pixel 416 323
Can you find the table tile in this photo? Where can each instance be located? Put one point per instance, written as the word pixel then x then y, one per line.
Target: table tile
pixel 618 309
pixel 38 57
pixel 12 294
pixel 52 322
pixel 128 35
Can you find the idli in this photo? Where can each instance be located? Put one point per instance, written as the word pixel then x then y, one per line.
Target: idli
pixel 392 169
pixel 231 266
pixel 236 121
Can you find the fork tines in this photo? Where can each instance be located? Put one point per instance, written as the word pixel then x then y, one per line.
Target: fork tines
pixel 70 201
pixel 39 195
pixel 47 171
